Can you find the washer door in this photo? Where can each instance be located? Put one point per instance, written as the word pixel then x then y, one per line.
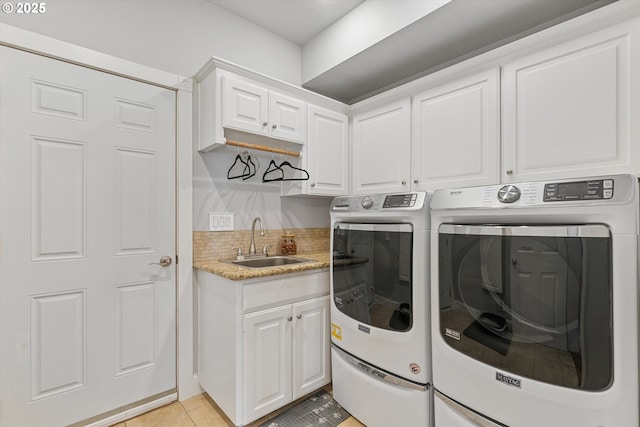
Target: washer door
pixel 372 274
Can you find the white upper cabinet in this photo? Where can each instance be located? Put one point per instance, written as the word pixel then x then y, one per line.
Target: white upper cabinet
pixel 287 118
pixel 572 110
pixel 253 108
pixel 456 133
pixel 381 148
pixel 327 152
pixel 245 106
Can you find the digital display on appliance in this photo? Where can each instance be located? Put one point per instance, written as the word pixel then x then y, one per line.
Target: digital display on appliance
pixel 400 201
pixel 578 190
pixel 572 189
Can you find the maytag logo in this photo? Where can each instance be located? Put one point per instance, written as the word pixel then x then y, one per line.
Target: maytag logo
pixel 508 380
pixel 452 334
pixel 364 329
pixel 455 193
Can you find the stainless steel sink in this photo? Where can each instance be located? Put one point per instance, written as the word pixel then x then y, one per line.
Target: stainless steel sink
pixel 272 261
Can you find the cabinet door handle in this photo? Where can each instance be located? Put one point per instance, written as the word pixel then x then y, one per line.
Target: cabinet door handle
pixel 313 184
pixel 415 181
pixel 289 318
pixel 264 123
pixel 274 126
pixel 509 172
pixel 404 182
pixel 299 316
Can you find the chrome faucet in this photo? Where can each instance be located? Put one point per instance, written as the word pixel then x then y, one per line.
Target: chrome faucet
pixel 252 246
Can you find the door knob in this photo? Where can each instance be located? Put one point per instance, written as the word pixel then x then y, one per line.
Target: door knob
pixel 165 261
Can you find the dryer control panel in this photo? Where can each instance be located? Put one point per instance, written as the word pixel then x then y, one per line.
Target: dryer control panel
pixel 597 190
pixel 578 190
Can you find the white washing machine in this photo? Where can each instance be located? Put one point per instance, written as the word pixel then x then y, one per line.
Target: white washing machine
pixel 381 365
pixel 535 304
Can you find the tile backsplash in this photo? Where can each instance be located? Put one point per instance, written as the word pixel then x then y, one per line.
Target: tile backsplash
pixel 214 245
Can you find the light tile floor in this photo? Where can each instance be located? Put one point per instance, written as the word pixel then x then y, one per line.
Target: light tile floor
pixel 200 411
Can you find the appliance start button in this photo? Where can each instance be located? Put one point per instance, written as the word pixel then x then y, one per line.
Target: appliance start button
pixel 509 194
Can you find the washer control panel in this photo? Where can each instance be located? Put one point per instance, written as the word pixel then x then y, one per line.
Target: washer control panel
pixel 381 202
pixel 578 190
pixel 400 201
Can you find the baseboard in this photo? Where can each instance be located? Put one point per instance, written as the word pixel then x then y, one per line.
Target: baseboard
pixel 130 411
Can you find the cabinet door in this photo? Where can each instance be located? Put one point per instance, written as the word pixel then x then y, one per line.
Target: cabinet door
pixel 287 118
pixel 381 149
pixel 568 110
pixel 267 361
pixel 244 105
pixel 327 154
pixel 455 138
pixel 311 346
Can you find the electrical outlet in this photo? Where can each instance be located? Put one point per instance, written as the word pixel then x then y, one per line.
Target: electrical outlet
pixel 220 221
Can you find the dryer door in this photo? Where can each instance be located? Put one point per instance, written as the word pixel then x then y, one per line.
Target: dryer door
pixel 535 301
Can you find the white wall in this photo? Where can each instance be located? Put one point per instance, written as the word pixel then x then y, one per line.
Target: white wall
pixel 213 192
pixel 179 36
pixel 176 36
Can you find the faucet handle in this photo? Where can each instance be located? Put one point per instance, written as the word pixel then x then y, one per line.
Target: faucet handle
pixel 264 250
pixel 238 252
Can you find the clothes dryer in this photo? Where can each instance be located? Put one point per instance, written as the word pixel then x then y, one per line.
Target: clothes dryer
pixel 535 304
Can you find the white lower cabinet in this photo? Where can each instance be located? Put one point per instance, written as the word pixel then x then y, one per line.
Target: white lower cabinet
pixel 286 355
pixel 262 343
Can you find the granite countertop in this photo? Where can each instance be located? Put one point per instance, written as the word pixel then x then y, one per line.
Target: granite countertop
pixel 234 272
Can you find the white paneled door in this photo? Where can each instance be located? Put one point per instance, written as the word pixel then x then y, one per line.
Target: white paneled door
pixel 87 205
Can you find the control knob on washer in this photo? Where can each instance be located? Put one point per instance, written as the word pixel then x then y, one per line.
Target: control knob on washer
pixel 366 202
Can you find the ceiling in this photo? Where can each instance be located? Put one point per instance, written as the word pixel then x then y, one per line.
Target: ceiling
pixel 450 34
pixel 295 20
